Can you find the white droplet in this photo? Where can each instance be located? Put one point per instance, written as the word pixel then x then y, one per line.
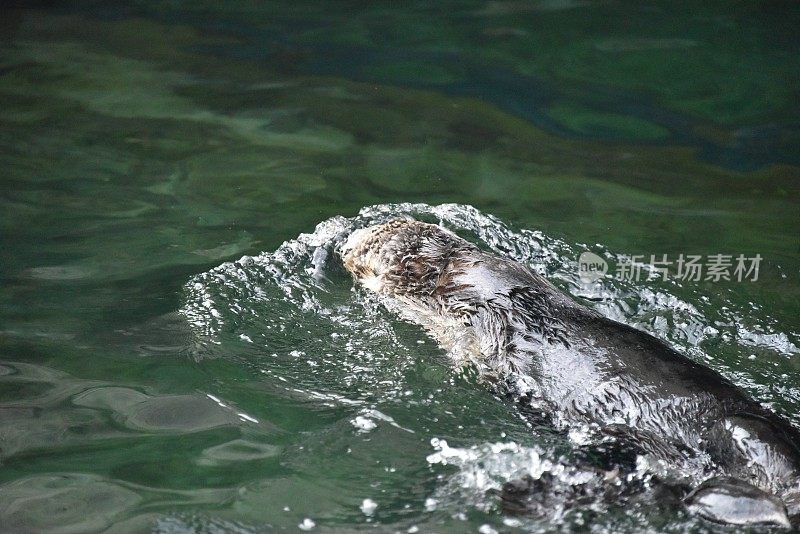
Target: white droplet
pixel 368 506
pixel 363 424
pixel 307 524
pixel 430 504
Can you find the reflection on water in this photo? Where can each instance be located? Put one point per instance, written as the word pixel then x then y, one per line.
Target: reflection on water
pixel 159 370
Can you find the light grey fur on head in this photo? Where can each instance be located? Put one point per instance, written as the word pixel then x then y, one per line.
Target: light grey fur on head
pixel 468 299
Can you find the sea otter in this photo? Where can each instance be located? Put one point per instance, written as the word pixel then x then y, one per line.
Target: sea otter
pixel 585 369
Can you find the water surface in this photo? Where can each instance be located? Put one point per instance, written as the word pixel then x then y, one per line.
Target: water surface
pixel 180 348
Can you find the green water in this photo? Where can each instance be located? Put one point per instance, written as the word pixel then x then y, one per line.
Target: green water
pixel 143 145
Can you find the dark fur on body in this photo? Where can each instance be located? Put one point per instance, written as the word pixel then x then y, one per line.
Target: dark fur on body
pixel 586 369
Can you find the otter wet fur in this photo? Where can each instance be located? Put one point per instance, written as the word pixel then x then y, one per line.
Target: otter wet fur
pixel 584 369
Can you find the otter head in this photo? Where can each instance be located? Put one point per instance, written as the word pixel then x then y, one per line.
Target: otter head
pixel 419 265
pixel 405 258
pixel 480 307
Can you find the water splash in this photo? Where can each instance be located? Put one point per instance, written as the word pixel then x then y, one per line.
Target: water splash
pixel 294 317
